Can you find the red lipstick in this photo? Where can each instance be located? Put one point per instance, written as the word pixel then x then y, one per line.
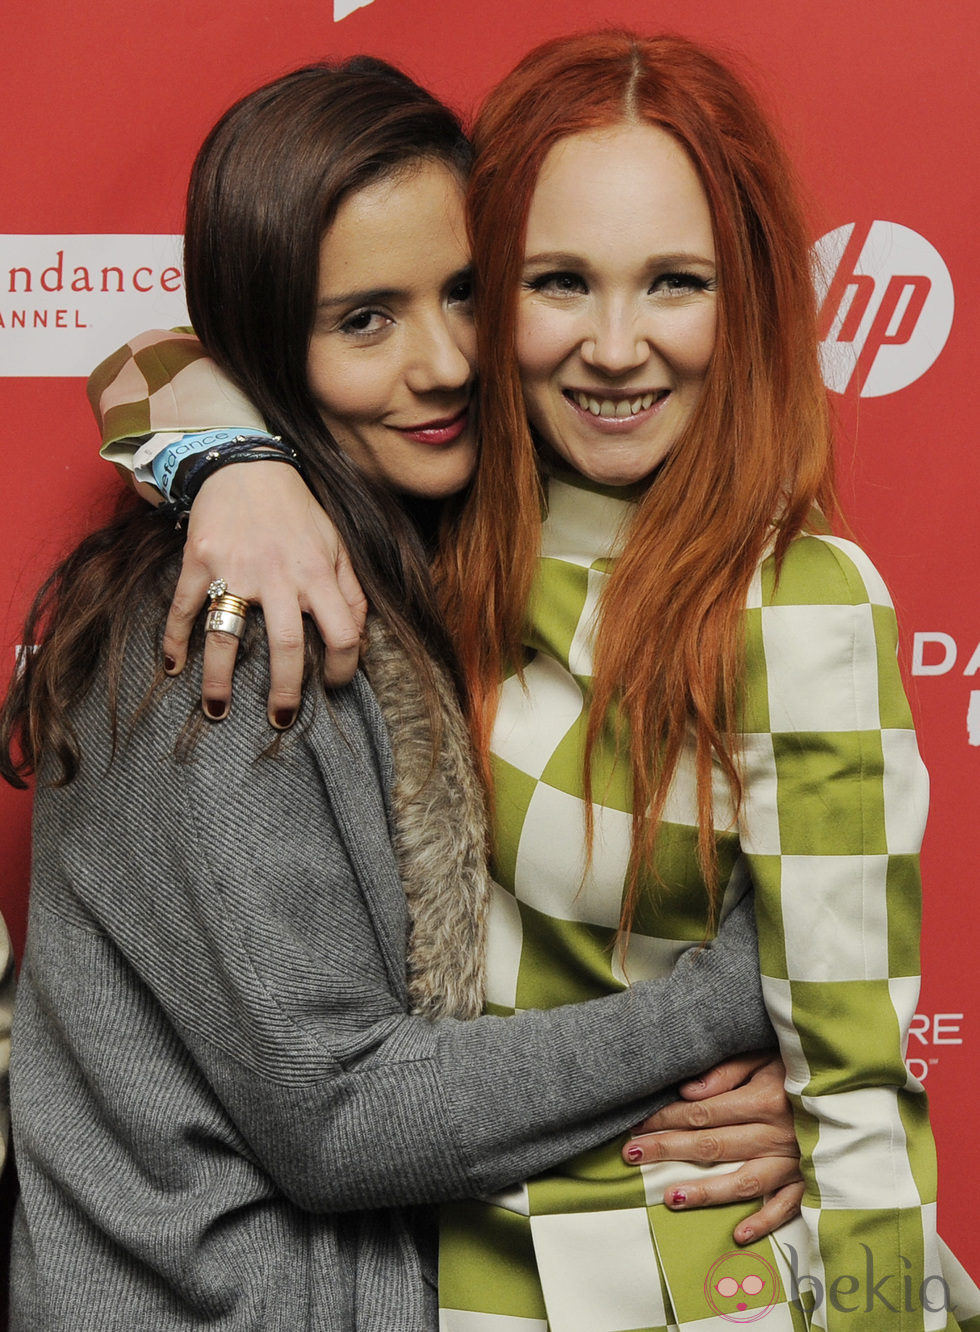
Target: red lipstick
pixel 445 431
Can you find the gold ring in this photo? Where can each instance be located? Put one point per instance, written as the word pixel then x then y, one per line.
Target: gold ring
pixel 226 602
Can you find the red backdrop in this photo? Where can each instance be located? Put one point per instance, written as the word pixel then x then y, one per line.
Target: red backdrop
pixel 102 112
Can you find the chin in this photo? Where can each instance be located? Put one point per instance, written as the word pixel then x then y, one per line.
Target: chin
pixel 440 487
pixel 615 476
pixel 608 470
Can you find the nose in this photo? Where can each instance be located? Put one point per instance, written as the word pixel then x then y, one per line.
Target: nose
pixel 439 360
pixel 616 342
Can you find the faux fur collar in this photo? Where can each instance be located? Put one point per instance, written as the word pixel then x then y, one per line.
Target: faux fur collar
pixel 440 836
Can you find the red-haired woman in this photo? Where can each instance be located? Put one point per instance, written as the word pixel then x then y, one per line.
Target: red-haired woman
pixel 699 683
pixel 680 685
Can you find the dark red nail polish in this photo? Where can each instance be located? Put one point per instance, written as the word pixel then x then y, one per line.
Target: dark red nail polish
pixel 634 1154
pixel 678 1197
pixel 169 664
pixel 214 707
pixel 284 717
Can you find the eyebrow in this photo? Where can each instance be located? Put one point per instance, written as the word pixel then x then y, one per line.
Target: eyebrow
pixel 566 259
pixel 369 297
pixel 376 295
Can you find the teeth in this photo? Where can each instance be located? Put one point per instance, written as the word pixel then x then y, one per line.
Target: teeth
pixel 615 407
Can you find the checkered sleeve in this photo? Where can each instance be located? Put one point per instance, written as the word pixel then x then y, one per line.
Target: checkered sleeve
pixel 157 387
pixel 835 805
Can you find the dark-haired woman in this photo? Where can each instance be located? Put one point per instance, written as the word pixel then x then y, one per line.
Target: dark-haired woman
pixel 239 1061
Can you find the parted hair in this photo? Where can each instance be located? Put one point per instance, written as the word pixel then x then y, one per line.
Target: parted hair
pixel 753 468
pixel 264 188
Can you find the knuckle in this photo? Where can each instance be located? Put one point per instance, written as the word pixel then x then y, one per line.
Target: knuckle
pixel 215 687
pixel 284 696
pixel 747 1186
pixel 654 1148
pixel 781 1172
pixel 183 608
pixel 786 1143
pixel 198 559
pixel 218 638
pixel 774 1103
pixel 784 1205
pixel 697 1115
pixel 290 642
pixel 347 640
pixel 198 547
pixel 709 1148
pixel 794 1200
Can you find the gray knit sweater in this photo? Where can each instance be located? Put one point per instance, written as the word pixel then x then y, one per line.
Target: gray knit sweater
pixel 224 1109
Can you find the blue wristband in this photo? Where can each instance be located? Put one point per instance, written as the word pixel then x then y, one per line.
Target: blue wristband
pixel 164 465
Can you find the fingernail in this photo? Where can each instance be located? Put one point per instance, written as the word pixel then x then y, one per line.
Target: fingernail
pixel 678 1198
pixel 283 718
pixel 215 708
pixel 744 1236
pixel 634 1154
pixel 169 664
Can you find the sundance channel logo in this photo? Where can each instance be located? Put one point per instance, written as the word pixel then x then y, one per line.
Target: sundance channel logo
pixel 67 301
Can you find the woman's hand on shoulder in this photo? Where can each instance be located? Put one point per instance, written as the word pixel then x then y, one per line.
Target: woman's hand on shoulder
pixel 738 1111
pixel 259 529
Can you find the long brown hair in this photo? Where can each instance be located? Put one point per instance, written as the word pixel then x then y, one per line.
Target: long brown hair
pixel 750 469
pixel 265 187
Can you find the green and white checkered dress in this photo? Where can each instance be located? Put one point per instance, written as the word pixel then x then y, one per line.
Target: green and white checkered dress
pixel 833 814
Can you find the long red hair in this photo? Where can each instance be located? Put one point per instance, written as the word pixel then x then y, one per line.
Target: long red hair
pixel 751 470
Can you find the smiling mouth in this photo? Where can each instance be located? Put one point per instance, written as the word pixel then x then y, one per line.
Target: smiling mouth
pixel 618 408
pixel 445 431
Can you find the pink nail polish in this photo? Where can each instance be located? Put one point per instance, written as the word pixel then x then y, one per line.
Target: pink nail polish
pixel 678 1198
pixel 634 1154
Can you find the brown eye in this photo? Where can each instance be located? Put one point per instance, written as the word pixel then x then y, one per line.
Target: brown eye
pixel 680 284
pixel 557 284
pixel 363 323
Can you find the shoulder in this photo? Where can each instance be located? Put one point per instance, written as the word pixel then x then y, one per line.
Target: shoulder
pixel 821 643
pixel 819 571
